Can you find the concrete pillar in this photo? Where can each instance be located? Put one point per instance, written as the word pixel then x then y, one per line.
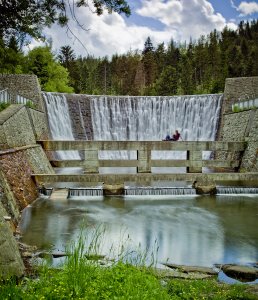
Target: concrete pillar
pixel 91 161
pixel 194 157
pixel 144 161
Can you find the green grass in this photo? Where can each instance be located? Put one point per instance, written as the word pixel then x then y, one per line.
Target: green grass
pixel 83 278
pixel 4 106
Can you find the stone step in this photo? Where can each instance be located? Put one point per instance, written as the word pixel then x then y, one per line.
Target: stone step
pixel 59 194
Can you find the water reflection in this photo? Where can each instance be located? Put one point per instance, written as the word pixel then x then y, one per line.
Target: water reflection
pixel 188 230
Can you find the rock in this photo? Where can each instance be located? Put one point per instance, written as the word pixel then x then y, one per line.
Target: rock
pixel 168 273
pixel 205 187
pixel 190 269
pixel 11 263
pixel 242 273
pixel 113 189
pixel 59 254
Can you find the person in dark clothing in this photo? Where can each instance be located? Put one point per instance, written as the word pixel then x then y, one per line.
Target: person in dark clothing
pixel 176 136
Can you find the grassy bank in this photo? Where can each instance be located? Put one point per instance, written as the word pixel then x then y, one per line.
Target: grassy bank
pixel 81 277
pixel 120 281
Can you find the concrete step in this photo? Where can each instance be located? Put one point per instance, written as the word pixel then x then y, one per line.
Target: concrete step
pixel 59 194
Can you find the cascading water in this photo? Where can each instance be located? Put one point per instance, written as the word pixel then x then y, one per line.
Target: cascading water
pixel 137 118
pixel 152 118
pixel 59 122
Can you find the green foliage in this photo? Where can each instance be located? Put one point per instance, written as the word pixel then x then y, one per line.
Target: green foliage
pixel 197 68
pixel 4 106
pixel 236 108
pixel 29 17
pixel 206 289
pixel 30 104
pixel 52 76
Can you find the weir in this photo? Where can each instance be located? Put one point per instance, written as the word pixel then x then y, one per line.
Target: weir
pixel 126 133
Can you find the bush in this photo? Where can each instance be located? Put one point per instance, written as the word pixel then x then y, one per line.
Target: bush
pixel 4 106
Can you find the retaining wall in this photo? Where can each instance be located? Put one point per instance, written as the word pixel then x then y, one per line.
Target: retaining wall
pixel 24 85
pixel 20 157
pixel 240 126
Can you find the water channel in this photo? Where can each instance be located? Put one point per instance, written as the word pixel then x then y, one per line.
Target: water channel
pixel 191 230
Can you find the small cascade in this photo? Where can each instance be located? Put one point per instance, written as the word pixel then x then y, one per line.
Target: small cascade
pixel 159 191
pixel 84 192
pixel 45 191
pixel 59 122
pixel 236 190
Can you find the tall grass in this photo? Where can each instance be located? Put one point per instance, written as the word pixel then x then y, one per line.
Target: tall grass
pixel 125 277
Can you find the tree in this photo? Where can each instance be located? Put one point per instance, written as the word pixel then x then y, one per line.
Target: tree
pixel 66 56
pixel 167 83
pixel 29 17
pixel 149 63
pixel 52 76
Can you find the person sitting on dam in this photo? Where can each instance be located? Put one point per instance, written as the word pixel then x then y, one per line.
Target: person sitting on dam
pixel 175 137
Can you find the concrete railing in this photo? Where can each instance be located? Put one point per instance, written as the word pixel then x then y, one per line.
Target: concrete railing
pixel 144 162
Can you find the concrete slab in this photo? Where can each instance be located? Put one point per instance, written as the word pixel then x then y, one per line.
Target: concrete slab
pixel 59 194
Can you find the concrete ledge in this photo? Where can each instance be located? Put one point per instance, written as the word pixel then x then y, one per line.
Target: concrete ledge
pixel 145 177
pixel 49 145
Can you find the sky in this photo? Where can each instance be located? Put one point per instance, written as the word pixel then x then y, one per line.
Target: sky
pixel 161 20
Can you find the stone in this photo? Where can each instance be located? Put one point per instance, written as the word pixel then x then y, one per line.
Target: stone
pixel 190 269
pixel 11 263
pixel 205 187
pixel 239 272
pixel 113 189
pixel 168 273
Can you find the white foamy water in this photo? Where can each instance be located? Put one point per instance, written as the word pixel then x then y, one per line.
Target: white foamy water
pixel 152 118
pixel 59 122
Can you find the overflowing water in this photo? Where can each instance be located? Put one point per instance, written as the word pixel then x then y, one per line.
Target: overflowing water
pixel 152 118
pixel 59 122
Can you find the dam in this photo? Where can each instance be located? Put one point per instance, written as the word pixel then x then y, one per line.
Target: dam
pixel 78 142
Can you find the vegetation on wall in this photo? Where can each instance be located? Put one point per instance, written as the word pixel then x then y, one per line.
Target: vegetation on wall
pixel 197 67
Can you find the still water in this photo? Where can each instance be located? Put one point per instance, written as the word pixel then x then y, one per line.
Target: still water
pixel 191 230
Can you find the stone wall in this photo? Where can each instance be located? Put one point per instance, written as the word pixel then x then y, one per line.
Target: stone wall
pixel 82 127
pixel 21 126
pixel 16 129
pixel 24 85
pixel 239 89
pixel 20 157
pixel 10 259
pixel 240 126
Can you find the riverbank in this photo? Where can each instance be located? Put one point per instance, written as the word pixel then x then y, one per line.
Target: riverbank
pixel 81 278
pixel 85 275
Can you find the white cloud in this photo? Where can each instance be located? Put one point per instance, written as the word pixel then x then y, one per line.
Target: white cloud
pixel 247 8
pixel 189 18
pixel 109 34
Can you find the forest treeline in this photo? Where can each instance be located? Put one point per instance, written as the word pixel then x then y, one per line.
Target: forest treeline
pixel 191 68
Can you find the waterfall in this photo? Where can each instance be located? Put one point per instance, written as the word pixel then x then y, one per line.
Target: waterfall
pixel 137 118
pixel 152 118
pixel 59 122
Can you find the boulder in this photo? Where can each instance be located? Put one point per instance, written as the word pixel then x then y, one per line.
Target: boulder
pixel 205 187
pixel 239 272
pixel 113 189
